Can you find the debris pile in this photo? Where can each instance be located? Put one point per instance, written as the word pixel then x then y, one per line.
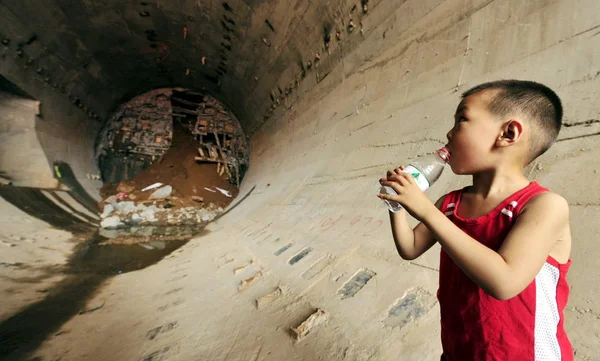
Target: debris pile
pixel 170 157
pixel 117 213
pixel 172 192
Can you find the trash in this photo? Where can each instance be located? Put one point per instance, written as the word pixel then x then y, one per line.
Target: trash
pixel 210 190
pixel 197 199
pixel 155 185
pixel 203 60
pixel 119 272
pixel 185 32
pixel 146 246
pixel 168 205
pixel 121 195
pixel 161 192
pixel 225 192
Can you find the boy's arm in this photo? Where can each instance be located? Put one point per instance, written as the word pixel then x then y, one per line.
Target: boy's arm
pixel 505 273
pixel 411 243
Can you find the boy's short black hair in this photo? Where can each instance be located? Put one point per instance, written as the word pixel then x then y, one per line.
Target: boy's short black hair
pixel 535 101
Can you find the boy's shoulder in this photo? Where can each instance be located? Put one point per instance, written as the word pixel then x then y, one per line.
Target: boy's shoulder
pixel 547 203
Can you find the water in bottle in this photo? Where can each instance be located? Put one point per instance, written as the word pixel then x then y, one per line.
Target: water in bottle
pixel 425 171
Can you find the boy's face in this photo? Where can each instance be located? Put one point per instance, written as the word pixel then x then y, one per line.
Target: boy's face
pixel 473 136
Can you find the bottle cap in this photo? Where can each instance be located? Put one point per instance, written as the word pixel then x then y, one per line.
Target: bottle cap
pixel 444 154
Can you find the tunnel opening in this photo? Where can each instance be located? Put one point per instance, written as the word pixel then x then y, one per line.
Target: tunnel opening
pixel 170 156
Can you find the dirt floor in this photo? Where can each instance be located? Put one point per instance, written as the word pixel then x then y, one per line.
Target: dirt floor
pixel 32 258
pixel 180 170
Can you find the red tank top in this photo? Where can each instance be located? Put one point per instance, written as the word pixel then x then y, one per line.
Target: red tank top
pixel 478 327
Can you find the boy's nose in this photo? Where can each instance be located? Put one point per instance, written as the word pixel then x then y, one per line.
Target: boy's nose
pixel 449 135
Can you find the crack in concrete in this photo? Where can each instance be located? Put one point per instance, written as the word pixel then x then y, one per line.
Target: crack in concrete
pixel 579 137
pixel 364 126
pixel 585 122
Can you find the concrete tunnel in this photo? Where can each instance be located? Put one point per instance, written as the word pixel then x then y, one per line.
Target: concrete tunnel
pixel 330 94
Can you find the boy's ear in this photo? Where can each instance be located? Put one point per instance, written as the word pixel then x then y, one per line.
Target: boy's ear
pixel 510 133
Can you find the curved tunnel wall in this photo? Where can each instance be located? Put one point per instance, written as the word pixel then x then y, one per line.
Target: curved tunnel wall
pixel 377 101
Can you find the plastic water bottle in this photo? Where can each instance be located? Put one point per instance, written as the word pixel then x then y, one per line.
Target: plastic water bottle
pixel 425 171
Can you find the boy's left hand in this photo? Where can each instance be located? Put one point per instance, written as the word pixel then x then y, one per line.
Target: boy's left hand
pixel 410 196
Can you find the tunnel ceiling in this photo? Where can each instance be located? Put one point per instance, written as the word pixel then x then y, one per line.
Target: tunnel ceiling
pixel 250 54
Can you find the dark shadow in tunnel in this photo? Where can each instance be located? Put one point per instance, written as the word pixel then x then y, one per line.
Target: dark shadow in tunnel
pixel 9 87
pixel 24 332
pixel 90 265
pixel 33 202
pixel 65 175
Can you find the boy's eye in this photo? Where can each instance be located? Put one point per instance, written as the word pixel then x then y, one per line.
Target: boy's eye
pixel 462 119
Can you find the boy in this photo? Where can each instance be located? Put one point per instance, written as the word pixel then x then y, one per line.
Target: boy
pixel 505 240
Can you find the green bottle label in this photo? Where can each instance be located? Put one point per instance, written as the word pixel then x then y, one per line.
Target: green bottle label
pixel 420 179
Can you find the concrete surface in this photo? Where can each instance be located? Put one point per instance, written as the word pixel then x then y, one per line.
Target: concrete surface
pixel 22 159
pixel 371 104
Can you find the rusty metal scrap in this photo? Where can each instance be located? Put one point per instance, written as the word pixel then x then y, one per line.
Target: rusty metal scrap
pixel 143 126
pixel 221 138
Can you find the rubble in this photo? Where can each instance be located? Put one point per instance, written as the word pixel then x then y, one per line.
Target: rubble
pixel 163 192
pixel 128 213
pixel 190 183
pixel 111 222
pixel 108 208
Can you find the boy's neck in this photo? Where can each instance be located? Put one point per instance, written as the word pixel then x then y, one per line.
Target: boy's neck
pixel 498 181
